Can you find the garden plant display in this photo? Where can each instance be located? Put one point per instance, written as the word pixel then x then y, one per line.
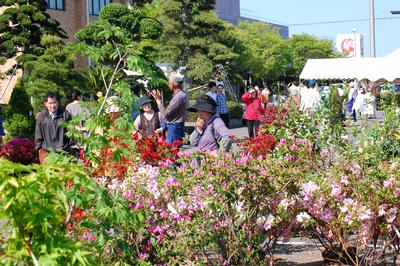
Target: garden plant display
pixel 230 210
pixel 141 202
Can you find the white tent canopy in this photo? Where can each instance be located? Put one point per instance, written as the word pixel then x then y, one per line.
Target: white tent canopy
pixel 374 69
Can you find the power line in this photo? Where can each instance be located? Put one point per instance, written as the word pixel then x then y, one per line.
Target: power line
pixel 339 21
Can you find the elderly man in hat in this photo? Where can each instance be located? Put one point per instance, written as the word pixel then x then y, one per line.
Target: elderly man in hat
pixel 210 132
pixel 175 114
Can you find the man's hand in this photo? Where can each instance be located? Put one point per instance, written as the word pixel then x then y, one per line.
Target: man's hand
pixel 200 124
pixel 156 94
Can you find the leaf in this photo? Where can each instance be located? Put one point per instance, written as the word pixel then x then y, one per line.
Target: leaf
pixel 13 182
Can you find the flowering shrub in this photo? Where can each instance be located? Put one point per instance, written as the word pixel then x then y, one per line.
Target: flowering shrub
pixel 260 145
pixel 353 199
pixel 19 150
pixel 154 150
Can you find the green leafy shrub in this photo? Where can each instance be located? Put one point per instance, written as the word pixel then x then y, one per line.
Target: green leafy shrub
pixel 37 205
pixel 19 125
pixel 19 102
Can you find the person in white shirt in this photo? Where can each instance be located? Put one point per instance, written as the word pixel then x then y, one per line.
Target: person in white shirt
pixel 293 89
pixel 369 105
pixel 315 97
pixel 304 95
pixel 359 101
pixel 212 91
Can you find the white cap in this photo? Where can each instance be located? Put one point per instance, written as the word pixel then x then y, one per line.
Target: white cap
pixel 111 106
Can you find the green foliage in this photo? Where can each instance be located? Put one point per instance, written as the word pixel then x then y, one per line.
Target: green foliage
pixel 37 206
pixel 119 40
pixel 19 125
pixel 19 121
pixel 194 37
pixel 19 102
pixel 267 53
pixel 305 46
pixel 52 71
pixel 381 141
pixel 22 26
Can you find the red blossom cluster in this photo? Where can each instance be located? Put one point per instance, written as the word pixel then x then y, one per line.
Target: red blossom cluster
pixel 111 167
pixel 19 150
pixel 273 115
pixel 259 146
pixel 154 150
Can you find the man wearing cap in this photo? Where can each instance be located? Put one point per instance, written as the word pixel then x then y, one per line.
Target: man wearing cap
pixel 210 132
pixel 175 114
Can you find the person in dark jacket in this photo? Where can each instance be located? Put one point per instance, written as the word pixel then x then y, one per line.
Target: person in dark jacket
pixel 49 133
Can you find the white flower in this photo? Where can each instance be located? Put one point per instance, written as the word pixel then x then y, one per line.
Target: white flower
pixel 172 209
pixel 303 218
pixel 260 221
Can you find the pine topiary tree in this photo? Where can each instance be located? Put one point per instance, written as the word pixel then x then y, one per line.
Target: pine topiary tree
pixel 19 121
pixel 52 71
pixel 22 26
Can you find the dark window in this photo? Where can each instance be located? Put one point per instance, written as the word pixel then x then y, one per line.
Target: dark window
pixel 96 5
pixel 55 4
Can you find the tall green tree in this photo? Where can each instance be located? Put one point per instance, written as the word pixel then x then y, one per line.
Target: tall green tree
pixel 22 26
pixel 267 55
pixel 118 44
pixel 193 37
pixel 305 46
pixel 52 71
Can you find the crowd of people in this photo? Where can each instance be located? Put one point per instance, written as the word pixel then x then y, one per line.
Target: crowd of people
pixel 211 130
pixel 167 122
pixel 307 96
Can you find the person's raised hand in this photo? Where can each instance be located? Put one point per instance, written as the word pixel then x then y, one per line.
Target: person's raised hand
pixel 156 94
pixel 200 123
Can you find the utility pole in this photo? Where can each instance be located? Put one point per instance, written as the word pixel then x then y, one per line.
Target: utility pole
pixel 372 27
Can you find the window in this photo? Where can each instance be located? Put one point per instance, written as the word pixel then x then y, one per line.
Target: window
pixel 96 5
pixel 55 4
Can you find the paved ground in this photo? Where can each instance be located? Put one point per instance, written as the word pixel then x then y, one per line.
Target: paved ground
pixel 298 251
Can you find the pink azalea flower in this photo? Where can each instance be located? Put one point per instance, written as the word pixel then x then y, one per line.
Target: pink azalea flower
pixel 269 222
pixel 143 256
pixel 138 204
pixel 397 192
pixel 382 210
pixel 344 179
pixel 389 182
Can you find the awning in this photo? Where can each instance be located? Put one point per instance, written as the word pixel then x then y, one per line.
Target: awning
pixel 373 69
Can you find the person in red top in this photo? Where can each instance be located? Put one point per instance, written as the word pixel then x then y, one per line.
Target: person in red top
pixel 252 111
